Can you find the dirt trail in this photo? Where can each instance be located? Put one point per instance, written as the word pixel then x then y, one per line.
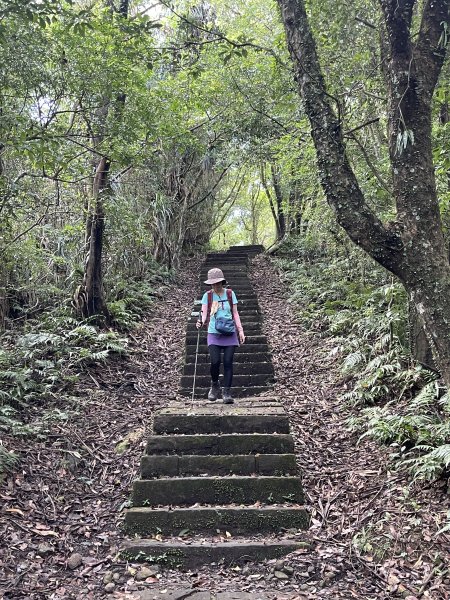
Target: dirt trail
pixel 67 496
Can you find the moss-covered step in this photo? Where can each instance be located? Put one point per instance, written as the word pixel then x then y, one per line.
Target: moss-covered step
pixel 185 491
pixel 245 311
pixel 221 418
pixel 238 391
pixel 157 465
pixel 201 444
pixel 240 356
pixel 239 379
pixel 236 520
pixel 253 328
pixel 251 347
pixel 191 340
pixel 192 320
pixel 241 369
pixel 179 555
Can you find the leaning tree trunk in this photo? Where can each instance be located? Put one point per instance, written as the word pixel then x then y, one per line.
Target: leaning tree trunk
pixel 413 248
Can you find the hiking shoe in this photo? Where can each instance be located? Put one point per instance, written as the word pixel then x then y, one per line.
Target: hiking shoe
pixel 214 391
pixel 227 397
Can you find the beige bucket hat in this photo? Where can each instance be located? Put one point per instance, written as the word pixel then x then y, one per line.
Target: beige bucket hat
pixel 214 276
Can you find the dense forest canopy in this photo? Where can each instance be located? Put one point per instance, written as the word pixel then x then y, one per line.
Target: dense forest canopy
pixel 132 133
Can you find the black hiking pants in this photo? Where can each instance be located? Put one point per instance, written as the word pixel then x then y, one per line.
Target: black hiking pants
pixel 215 354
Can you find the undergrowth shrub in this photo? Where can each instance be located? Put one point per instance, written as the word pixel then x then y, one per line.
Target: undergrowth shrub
pixel 8 461
pixel 41 360
pixel 340 292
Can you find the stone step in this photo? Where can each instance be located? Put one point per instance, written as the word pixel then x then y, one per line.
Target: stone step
pixel 250 320
pixel 235 277
pixel 176 554
pixel 251 326
pixel 249 402
pixel 224 261
pixel 145 521
pixel 156 465
pixel 247 299
pixel 239 368
pixel 240 356
pixel 238 391
pixel 249 317
pixel 231 270
pixel 247 348
pixel 247 248
pixel 250 340
pixel 212 444
pixel 226 255
pixel 239 379
pixel 221 418
pixel 249 308
pixel 186 491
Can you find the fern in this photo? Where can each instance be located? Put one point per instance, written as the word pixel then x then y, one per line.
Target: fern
pixel 432 464
pixel 8 461
pixel 353 360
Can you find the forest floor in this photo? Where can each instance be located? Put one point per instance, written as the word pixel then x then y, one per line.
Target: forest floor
pixel 373 536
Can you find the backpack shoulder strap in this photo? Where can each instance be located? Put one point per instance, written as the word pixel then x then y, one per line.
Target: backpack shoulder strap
pixel 230 300
pixel 208 310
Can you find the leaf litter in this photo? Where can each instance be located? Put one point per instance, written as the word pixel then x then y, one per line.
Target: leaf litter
pixel 372 536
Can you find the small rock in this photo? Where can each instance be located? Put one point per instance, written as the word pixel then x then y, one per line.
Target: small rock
pixel 147 572
pixel 108 577
pixel 279 565
pixel 44 549
pixel 116 577
pixel 288 570
pixel 281 575
pixel 110 587
pixel 74 561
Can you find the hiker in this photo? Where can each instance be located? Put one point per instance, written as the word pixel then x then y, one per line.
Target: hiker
pixel 219 309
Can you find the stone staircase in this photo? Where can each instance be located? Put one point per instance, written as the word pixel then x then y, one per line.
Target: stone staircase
pixel 253 372
pixel 219 482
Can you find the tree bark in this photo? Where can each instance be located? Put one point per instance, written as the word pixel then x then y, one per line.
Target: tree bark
pixel 90 297
pixel 279 197
pixel 271 203
pixel 412 247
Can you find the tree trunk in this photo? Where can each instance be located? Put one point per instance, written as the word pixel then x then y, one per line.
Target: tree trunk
pixel 279 197
pixel 93 282
pixel 413 247
pixel 90 297
pixel 271 203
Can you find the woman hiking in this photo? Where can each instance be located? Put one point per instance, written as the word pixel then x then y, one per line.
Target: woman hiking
pixel 220 313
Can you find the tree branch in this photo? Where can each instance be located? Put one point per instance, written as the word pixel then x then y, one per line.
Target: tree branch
pixel 432 43
pixel 397 17
pixel 337 177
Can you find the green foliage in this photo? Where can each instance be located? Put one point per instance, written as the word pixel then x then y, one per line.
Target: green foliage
pixel 41 363
pixel 8 460
pixel 340 293
pixel 337 292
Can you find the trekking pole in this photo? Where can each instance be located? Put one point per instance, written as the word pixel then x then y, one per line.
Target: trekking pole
pixel 195 364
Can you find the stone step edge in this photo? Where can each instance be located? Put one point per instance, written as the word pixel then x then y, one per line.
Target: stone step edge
pixel 223 445
pixel 236 520
pixel 186 491
pixel 180 465
pixel 238 392
pixel 220 423
pixel 176 554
